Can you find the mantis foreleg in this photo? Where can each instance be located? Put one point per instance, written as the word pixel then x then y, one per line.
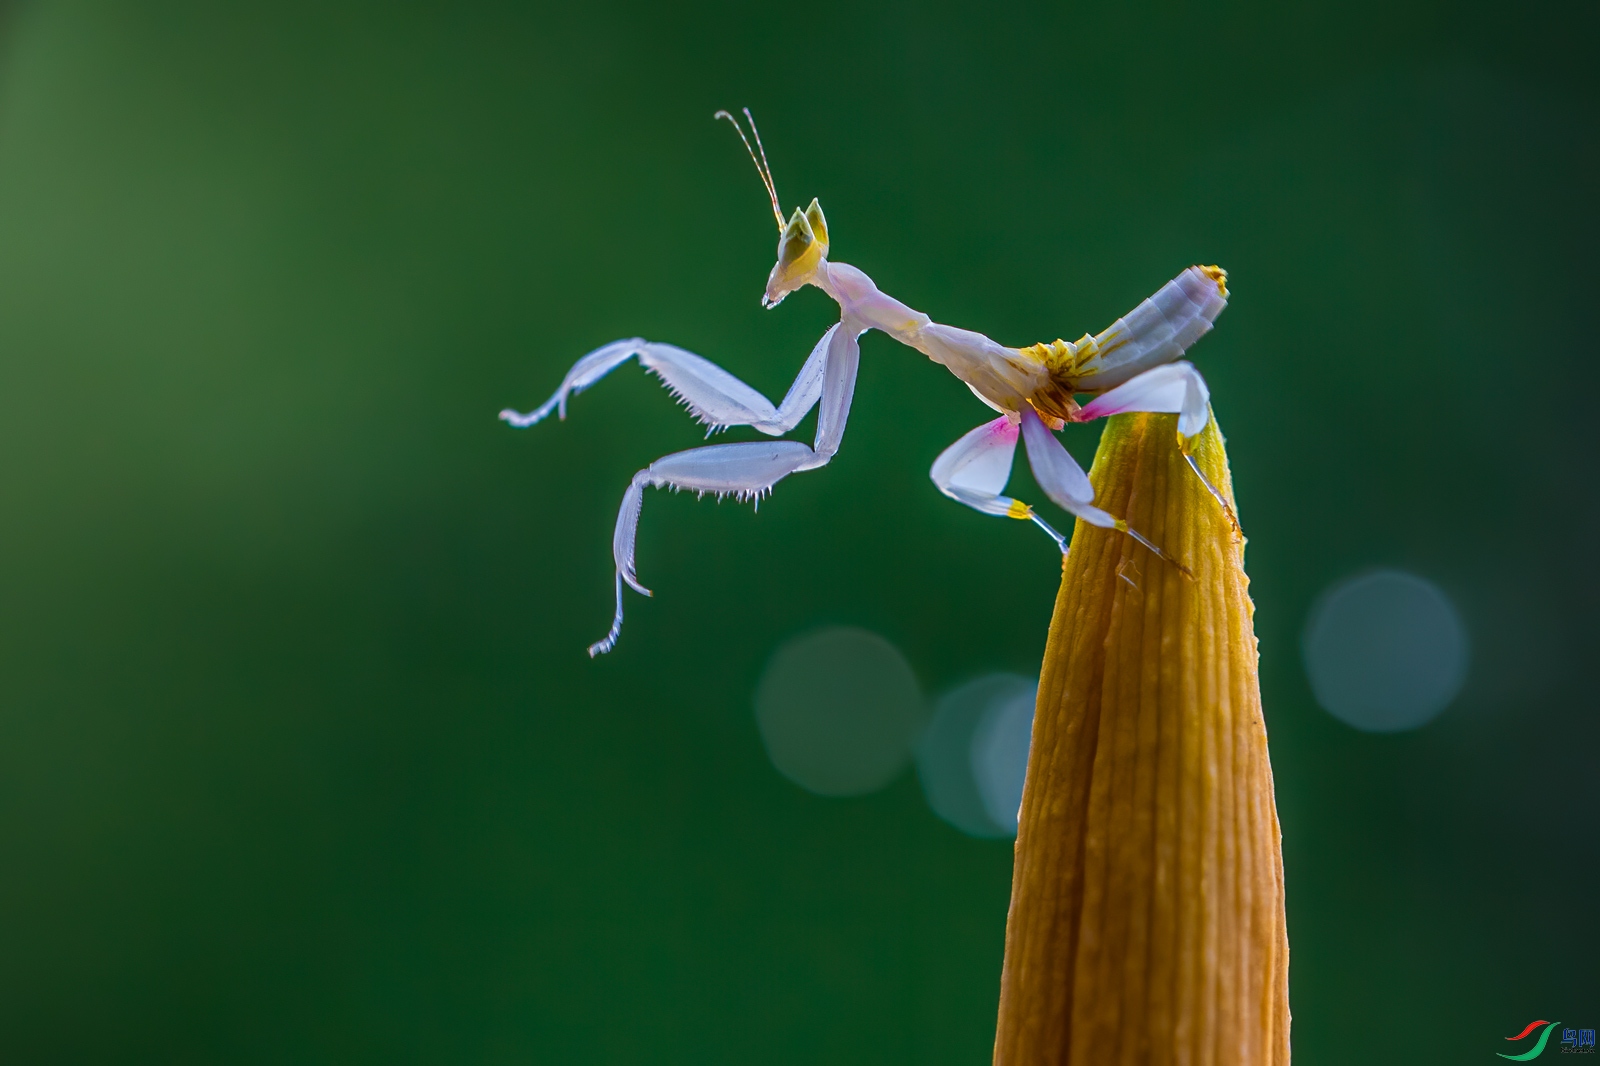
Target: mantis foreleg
pixel 746 470
pixel 714 396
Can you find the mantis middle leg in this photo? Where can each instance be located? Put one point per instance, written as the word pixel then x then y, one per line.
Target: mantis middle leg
pixel 974 471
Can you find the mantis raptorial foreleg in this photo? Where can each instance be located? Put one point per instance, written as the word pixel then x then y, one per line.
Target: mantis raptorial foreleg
pixel 585 372
pixel 714 396
pixel 747 470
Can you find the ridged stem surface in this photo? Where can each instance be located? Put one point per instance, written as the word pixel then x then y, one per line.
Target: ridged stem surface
pixel 1147 906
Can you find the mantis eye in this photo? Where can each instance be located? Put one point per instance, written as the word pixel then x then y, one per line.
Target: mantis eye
pixel 819 225
pixel 796 241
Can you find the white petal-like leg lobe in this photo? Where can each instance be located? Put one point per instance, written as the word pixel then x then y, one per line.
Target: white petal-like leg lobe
pixel 585 372
pixel 1064 481
pixel 974 470
pixel 1059 474
pixel 1160 329
pixel 1176 388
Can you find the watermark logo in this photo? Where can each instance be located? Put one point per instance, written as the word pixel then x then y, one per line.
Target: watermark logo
pixel 1573 1041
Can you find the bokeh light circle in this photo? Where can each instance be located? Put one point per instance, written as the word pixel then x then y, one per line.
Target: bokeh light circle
pixel 1385 651
pixel 839 710
pixel 1000 755
pixel 972 758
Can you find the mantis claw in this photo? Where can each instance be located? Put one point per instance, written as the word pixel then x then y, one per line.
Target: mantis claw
pixel 600 647
pixel 1123 527
pixel 1233 519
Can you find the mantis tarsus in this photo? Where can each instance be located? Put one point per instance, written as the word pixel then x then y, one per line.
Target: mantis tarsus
pixel 1133 365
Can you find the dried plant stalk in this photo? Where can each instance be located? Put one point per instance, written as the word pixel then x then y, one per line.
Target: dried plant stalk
pixel 1147 908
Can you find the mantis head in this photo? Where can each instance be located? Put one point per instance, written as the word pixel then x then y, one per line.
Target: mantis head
pixel 802 241
pixel 802 248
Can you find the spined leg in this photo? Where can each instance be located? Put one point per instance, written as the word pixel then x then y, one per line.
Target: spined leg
pixel 585 372
pixel 746 471
pixel 714 396
pixel 1176 388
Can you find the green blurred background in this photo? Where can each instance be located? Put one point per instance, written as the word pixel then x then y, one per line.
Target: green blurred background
pixel 301 759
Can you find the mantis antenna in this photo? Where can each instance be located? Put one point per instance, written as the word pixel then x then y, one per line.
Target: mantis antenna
pixel 761 164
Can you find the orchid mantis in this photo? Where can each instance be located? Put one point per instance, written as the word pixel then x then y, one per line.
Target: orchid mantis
pixel 1133 365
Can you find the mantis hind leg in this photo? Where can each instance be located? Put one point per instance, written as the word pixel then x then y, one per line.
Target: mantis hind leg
pixel 1176 388
pixel 1222 501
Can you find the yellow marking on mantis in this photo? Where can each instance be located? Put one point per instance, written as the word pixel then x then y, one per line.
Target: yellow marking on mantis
pixel 1063 359
pixel 1108 342
pixel 1069 363
pixel 1218 275
pixel 1018 509
pixel 1055 405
